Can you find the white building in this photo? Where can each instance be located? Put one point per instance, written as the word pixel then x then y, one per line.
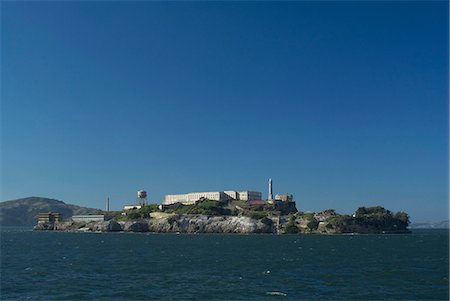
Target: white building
pixel 88 218
pixel 193 197
pixel 284 197
pixel 131 207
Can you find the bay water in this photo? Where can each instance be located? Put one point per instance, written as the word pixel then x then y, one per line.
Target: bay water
pixel 148 266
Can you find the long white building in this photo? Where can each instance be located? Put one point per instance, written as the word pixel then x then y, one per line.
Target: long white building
pixel 193 197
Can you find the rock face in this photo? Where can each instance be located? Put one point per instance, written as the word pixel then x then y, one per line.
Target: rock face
pixel 326 222
pixel 168 224
pixel 134 226
pixel 107 226
pixel 208 224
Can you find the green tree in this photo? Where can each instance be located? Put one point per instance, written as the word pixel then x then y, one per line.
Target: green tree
pixel 313 225
pixel 290 228
pixel 403 218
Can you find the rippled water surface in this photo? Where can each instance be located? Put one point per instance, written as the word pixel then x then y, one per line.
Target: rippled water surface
pixel 128 266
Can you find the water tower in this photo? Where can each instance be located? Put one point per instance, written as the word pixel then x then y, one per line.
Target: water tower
pixel 142 197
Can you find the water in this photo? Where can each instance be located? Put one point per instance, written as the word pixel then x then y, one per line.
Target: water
pixel 145 266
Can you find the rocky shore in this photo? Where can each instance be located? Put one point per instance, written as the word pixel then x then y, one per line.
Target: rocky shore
pixel 167 223
pixel 367 220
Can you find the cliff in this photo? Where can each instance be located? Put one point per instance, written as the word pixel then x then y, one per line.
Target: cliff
pixel 209 216
pixel 170 223
pixel 366 220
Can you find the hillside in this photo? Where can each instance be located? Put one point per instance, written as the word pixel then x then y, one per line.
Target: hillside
pixel 23 212
pixel 431 225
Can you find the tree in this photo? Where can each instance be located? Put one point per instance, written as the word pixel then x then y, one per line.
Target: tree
pixel 362 211
pixel 290 227
pixel 313 225
pixel 402 217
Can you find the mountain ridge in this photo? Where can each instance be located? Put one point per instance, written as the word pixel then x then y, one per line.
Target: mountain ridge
pixel 24 211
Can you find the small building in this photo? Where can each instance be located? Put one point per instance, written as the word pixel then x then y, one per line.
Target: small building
pixel 131 207
pixel 88 218
pixel 284 197
pixel 163 207
pixel 49 217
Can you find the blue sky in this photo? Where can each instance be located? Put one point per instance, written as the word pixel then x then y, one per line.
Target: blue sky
pixel 343 104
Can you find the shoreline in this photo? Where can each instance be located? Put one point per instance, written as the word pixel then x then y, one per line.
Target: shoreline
pixel 204 224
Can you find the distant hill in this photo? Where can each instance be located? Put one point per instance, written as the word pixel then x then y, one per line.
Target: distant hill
pixel 430 225
pixel 23 212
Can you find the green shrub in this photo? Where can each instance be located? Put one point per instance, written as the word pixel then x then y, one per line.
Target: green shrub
pixel 257 207
pixel 147 209
pixel 312 225
pixel 258 214
pixel 290 228
pixel 208 204
pixel 133 215
pixel 307 216
pixel 203 206
pixel 267 221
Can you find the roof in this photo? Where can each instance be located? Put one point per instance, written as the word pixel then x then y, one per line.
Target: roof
pixel 257 202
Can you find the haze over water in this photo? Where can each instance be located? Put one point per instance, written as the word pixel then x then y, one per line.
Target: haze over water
pixel 126 266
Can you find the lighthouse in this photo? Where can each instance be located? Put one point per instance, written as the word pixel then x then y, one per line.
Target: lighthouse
pixel 270 198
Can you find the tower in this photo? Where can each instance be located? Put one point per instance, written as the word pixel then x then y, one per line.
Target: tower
pixel 270 191
pixel 142 197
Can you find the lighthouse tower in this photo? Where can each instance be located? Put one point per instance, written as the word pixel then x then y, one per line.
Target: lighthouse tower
pixel 270 198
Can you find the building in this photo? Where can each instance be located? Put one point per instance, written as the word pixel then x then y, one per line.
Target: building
pixel 49 217
pixel 193 197
pixel 284 197
pixel 249 195
pixel 89 218
pixel 131 207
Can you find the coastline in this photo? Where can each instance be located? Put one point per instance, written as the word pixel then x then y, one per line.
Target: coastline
pixel 186 223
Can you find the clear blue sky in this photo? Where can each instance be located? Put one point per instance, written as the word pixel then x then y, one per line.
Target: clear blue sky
pixel 343 104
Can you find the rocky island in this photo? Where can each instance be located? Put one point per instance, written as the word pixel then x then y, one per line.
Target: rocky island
pixel 209 216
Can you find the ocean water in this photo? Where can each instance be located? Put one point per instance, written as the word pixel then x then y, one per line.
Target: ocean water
pixel 146 266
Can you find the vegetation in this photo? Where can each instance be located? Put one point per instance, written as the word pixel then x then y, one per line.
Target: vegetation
pixel 258 214
pixel 313 225
pixel 371 219
pixel 136 214
pixel 267 221
pixel 290 227
pixel 203 206
pixel 147 209
pixel 307 215
pixel 365 220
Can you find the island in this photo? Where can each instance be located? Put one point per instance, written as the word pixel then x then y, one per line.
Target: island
pixel 233 216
